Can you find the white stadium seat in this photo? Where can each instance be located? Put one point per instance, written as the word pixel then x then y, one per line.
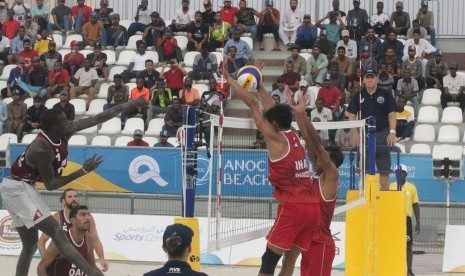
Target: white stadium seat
pixel 449 134
pixel 116 70
pixel 51 102
pixel 401 147
pixel 173 141
pixel 125 57
pixel 112 126
pixel 6 71
pixel 125 23
pixel 182 41
pixel 155 126
pixel 123 141
pixel 63 52
pixel 111 57
pixel 452 115
pixel 431 96
pixel 189 58
pixel 201 87
pixel 77 140
pixel 28 138
pixel 8 100
pixel 306 56
pixel 2 84
pixel 410 109
pixel 69 38
pixel 150 140
pixel 58 38
pixel 11 137
pixel 420 149
pixel 428 114
pixel 247 40
pixel 101 140
pixel 131 85
pixel 131 125
pixel 96 106
pixel 79 106
pixel 132 42
pixel 103 90
pixel 219 57
pixel 424 133
pixel 153 56
pixel 29 102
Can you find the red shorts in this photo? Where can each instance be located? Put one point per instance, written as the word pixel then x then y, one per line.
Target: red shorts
pixel 318 260
pixel 293 224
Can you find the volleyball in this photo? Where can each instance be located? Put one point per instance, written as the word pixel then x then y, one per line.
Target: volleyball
pixel 249 77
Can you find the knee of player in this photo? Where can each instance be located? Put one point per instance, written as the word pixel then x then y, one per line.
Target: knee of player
pixel 269 261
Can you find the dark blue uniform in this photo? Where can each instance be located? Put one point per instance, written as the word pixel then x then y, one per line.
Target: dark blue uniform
pixel 175 268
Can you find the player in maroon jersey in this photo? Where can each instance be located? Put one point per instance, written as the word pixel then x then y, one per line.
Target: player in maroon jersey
pixel 298 211
pixel 44 160
pixel 53 263
pixel 317 261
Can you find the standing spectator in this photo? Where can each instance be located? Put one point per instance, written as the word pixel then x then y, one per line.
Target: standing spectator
pixel 330 96
pixel 3 115
pixel 268 22
pixel 357 21
pixel 422 46
pixel 350 46
pixel 308 96
pixel 454 86
pixel 300 64
pixel 336 10
pixel 84 81
pixel 92 30
pixel 405 121
pixel 17 74
pixel 290 77
pixel 16 113
pixel 98 61
pixel 208 16
pixel 426 19
pixel 243 50
pixel 104 14
pixel 380 21
pixel 344 139
pixel 279 91
pixel 316 67
pixel 413 65
pixel 367 60
pixel 118 93
pixel 58 81
pixel 173 117
pixel 61 15
pixel 154 30
pixel 65 106
pixel 36 80
pixel 373 101
pixel 80 14
pixel 334 28
pixel 306 33
pixel 400 20
pixel 163 141
pixel 391 42
pixel 416 26
pixel 435 71
pixel 48 59
pixel 20 9
pixel 141 20
pixel 32 28
pixel 183 17
pixel 290 21
pixel 325 45
pixel 174 76
pixel 117 35
pixel 161 98
pixel 17 44
pixel 323 114
pixel 3 12
pixel 137 63
pixel 197 33
pixel 149 74
pixel 372 42
pixel 218 33
pixel 204 66
pixel 189 96
pixel 11 26
pixel 138 142
pixel 228 12
pixel 33 115
pixel 407 88
pixel 28 54
pixel 411 202
pixel 73 60
pixel 245 19
pixel 40 13
pixel 345 64
pixel 41 45
pixel 167 47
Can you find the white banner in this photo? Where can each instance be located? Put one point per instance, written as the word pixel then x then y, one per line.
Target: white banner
pixel 454 249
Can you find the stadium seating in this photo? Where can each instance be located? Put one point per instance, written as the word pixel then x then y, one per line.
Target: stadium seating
pixel 64 52
pixel 314 90
pixel 58 38
pixel 182 42
pixel 111 57
pixel 89 130
pixel 420 149
pixel 410 109
pixel 428 114
pixel 131 85
pixel 173 141
pixel 452 115
pixel 101 140
pixel 112 126
pixel 153 56
pixel 11 137
pixel 79 106
pixel 96 106
pixel 69 38
pixel 131 125
pixel 424 133
pixel 125 57
pixel 189 58
pixel 116 70
pixel 150 140
pixel 51 102
pixel 6 71
pixel 103 90
pixel 125 23
pixel 2 84
pixel 219 57
pixel 123 141
pixel 248 40
pixel 401 147
pixel 306 56
pixel 77 140
pixel 449 134
pixel 85 52
pixel 155 126
pixel 132 42
pixel 28 138
pixel 201 87
pixel 431 96
pixel 29 102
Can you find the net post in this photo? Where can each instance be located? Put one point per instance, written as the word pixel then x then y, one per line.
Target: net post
pixel 189 159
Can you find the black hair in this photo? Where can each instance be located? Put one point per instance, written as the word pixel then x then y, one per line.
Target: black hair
pixel 73 212
pixel 335 154
pixel 50 118
pixel 173 246
pixel 416 32
pixel 148 60
pixel 281 114
pixel 63 194
pixel 416 21
pixel 341 47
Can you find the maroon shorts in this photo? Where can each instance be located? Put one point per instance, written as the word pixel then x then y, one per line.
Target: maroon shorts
pixel 293 225
pixel 318 260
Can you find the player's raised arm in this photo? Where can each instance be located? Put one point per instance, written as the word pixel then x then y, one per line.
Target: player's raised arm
pixel 263 96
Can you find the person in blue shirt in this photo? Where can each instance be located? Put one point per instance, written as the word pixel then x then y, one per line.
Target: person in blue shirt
pixel 243 50
pixel 17 74
pixel 164 140
pixel 307 33
pixel 3 115
pixel 17 44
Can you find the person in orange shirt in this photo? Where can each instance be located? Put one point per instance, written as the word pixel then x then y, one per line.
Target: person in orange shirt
pixel 92 30
pixel 189 96
pixel 139 91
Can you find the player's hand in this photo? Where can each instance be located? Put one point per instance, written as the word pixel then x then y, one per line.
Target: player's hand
pixel 104 265
pixel 92 163
pixel 259 64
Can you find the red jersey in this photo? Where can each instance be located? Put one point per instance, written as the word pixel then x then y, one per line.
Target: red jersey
pixel 134 144
pixel 23 170
pixel 174 79
pixel 10 28
pixel 61 266
pixel 290 175
pixel 64 223
pixel 86 10
pixel 327 211
pixel 74 59
pixel 330 96
pixel 28 57
pixel 61 79
pixel 168 45
pixel 228 15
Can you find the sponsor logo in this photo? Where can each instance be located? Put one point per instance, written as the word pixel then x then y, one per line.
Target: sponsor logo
pixel 151 172
pixel 203 171
pixel 380 99
pixel 8 233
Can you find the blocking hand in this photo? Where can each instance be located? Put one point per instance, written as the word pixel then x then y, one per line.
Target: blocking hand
pixel 92 163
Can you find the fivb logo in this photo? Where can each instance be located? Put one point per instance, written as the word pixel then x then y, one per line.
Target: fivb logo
pixel 153 171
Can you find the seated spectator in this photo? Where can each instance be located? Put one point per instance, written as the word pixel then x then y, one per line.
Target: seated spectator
pixel 36 80
pixel 154 30
pixel 65 106
pixel 453 87
pixel 245 19
pixel 336 9
pixel 58 81
pixel 405 121
pixel 385 81
pixel 344 63
pixel 350 46
pixel 17 74
pixel 243 50
pixel 16 114
pixel 20 10
pixel 173 117
pixel 276 98
pixel 17 45
pixel 137 63
pixel 174 76
pixel 73 60
pixel 413 65
pixel 139 91
pixel 80 14
pixel 407 88
pixel 116 34
pixel 416 26
pixel 334 28
pixel 391 42
pixel 290 77
pixel 40 13
pixel 222 86
pixel 279 91
pixel 400 20
pixel 28 54
pixel 48 58
pixel 330 96
pixel 228 12
pixel 33 115
pixel 163 141
pixel 41 45
pixel 323 114
pixel 98 61
pixel 426 19
pixel 138 142
pixel 232 62
pixel 307 33
pixel 308 96
pixel 394 65
pixel 141 20
pixel 32 28
pixel 150 75
pixel 11 26
pixel 3 12
pixel 84 81
pixel 208 16
pixel 161 98
pixel 167 47
pixel 61 15
pixel 3 115
pixel 316 67
pixel 435 71
pixel 118 93
pixel 338 79
pixel 210 96
pixel 290 21
pixel 183 17
pixel 422 46
pixel 204 66
pixel 104 15
pixel 189 96
pixel 218 34
pixel 372 42
pixel 380 21
pixel 197 33
pixel 300 64
pixel 268 22
pixel 92 30
pixel 326 46
pixel 4 48
pixel 367 60
pixel 345 139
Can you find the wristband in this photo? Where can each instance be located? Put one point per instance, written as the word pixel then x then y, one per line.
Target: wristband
pixel 392 131
pixel 86 172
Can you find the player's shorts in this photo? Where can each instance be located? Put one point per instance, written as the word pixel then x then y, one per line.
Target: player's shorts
pixel 293 224
pixel 318 260
pixel 409 231
pixel 23 202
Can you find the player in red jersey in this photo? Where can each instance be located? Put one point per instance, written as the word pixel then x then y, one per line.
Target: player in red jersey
pixel 317 261
pixel 53 263
pixel 298 211
pixel 44 160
